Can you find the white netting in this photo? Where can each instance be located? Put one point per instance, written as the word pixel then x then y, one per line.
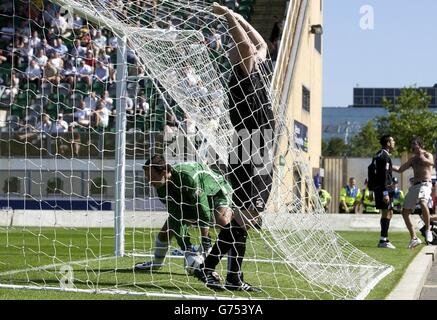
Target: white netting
pixel 179 75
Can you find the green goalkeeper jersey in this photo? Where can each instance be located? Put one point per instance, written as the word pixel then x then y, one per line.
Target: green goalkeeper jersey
pixel 191 195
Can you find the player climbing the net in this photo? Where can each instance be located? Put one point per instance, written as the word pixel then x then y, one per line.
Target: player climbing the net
pixel 250 171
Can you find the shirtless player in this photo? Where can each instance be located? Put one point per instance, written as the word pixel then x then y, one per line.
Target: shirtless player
pixel 422 163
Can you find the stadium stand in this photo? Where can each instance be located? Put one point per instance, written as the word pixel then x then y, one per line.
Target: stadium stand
pixel 49 65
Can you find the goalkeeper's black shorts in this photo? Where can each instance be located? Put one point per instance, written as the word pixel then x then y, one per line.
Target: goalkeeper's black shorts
pixel 251 190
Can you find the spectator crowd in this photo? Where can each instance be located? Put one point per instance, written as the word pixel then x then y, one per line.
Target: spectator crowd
pixel 54 63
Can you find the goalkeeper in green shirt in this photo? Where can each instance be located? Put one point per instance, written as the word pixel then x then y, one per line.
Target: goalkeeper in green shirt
pixel 193 195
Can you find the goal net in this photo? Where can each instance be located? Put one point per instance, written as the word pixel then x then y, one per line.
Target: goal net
pixel 91 90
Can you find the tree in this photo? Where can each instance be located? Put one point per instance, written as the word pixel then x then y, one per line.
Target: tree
pixel 335 147
pixel 409 116
pixel 366 142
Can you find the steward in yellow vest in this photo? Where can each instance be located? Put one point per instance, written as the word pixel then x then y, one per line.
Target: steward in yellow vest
pixel 325 198
pixel 369 205
pixel 398 197
pixel 350 197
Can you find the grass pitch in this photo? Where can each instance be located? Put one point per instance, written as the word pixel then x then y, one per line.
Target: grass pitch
pixel 83 259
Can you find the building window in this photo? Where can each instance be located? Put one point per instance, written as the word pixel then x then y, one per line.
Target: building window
pixel 389 92
pixel 318 42
pixel 368 101
pixel 378 101
pixel 379 92
pixel 98 186
pixel 368 92
pixel 11 185
pixel 358 101
pixel 358 92
pixel 306 98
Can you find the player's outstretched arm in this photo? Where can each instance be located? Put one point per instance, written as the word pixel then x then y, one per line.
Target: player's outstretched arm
pixel 403 167
pixel 246 50
pixel 257 40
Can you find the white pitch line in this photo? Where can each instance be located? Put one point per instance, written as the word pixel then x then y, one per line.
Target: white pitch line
pixel 124 292
pixel 144 255
pixel 300 263
pixel 50 266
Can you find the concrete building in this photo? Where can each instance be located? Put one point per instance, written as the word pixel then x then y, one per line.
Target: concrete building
pixel 345 122
pixel 299 72
pixel 373 97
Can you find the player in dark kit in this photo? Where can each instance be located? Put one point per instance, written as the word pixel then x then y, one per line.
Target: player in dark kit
pixel 384 188
pixel 250 163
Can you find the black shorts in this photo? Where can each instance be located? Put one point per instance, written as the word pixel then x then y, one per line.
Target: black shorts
pixel 251 192
pixel 379 199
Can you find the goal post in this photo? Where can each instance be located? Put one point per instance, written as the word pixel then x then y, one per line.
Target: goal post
pixel 120 146
pixel 83 212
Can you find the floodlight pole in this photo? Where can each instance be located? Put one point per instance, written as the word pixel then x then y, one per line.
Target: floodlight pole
pixel 120 147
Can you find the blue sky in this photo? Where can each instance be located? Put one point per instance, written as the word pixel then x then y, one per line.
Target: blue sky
pixel 400 51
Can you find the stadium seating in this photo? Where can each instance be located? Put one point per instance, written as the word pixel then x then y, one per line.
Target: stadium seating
pixel 32 100
pixel 16 110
